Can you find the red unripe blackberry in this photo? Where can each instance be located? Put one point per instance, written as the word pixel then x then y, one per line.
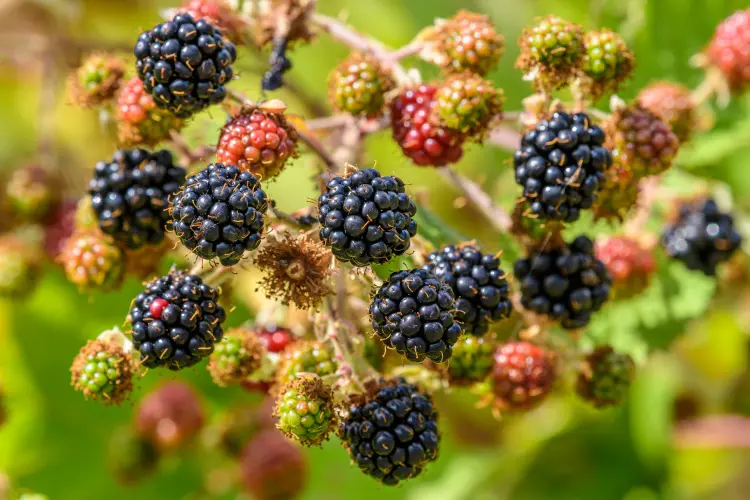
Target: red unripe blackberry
pixel 728 49
pixel 184 331
pixel 640 141
pixel 92 261
pixel 466 42
pixel 220 14
pixel 59 227
pixel 413 313
pixel 414 129
pixel 275 339
pixel 257 141
pixel 358 86
pixel 130 195
pixel 391 431
pixel 184 64
pixel 629 263
pixel 272 467
pixel 170 415
pixel 565 282
pixel 673 103
pixel 522 376
pixel 605 377
pixel 139 120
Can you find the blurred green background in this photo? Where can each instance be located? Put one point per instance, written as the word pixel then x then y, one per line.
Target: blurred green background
pixel 55 442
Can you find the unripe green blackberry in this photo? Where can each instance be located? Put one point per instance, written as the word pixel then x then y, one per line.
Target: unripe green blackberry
pixel 306 410
pixel 466 42
pixel 607 61
pixel 472 360
pixel 358 86
pixel 640 140
pixel 92 260
pixel 617 195
pixel 605 377
pixel 103 371
pixel 674 104
pixel 96 81
pixel 305 357
pixel 552 50
pixel 467 103
pixel 20 267
pixel 31 193
pixel 235 357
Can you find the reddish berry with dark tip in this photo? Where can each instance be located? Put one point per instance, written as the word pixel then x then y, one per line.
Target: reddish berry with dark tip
pixel 139 120
pixel 522 376
pixel 728 49
pixel 628 262
pixel 418 134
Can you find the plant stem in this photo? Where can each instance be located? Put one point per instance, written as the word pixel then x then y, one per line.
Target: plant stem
pixel 495 215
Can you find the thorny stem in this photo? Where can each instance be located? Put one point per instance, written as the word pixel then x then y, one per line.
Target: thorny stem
pixel 190 156
pixel 495 215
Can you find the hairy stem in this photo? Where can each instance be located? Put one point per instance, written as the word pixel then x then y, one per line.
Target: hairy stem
pixel 495 215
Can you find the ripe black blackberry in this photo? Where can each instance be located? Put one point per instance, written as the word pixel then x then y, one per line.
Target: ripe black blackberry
pixel 184 64
pixel 561 165
pixel 219 213
pixel 478 283
pixel 701 236
pixel 176 321
pixel 412 312
pixel 131 193
pixel 565 282
pixel 366 218
pixel 391 432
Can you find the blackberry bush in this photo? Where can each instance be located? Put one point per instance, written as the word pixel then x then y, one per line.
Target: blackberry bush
pixel 412 312
pixel 561 165
pixel 366 218
pixel 701 236
pixel 219 213
pixel 391 432
pixel 184 64
pixel 130 195
pixel 565 282
pixel 478 283
pixel 176 321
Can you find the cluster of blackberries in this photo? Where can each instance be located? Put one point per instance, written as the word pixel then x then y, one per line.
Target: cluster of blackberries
pixel 392 435
pixel 478 283
pixel 561 165
pixel 412 312
pixel 131 193
pixel 566 283
pixel 366 218
pixel 176 321
pixel 702 236
pixel 184 64
pixel 219 213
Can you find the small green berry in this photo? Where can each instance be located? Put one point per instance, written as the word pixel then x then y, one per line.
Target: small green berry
pixel 358 86
pixel 607 61
pixel 552 51
pixel 306 410
pixel 605 377
pixel 102 371
pixel 472 360
pixel 467 103
pixel 305 357
pixel 236 357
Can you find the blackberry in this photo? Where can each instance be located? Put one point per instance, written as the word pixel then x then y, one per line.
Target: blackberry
pixel 103 371
pixel 423 140
pixel 220 14
pixel 306 410
pixel 673 103
pixel 566 282
pixel 701 236
pixel 184 64
pixel 472 361
pixel 412 312
pixel 130 195
pixel 236 357
pixel 561 165
pixel 522 376
pixel 728 49
pixel 466 42
pixel 391 431
pixel 272 468
pixel 628 261
pixel 605 377
pixel 358 86
pixel 219 213
pixel 366 218
pixel 170 415
pixel 467 103
pixel 176 321
pixel 92 261
pixel 478 283
pixel 305 357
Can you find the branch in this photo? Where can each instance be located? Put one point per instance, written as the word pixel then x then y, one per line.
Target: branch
pixel 504 137
pixel 496 216
pixel 318 148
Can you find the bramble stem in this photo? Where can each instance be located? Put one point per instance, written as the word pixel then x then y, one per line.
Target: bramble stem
pixel 495 215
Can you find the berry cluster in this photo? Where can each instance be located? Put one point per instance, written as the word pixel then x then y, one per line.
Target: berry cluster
pixel 366 218
pixel 412 312
pixel 565 282
pixel 184 64
pixel 176 321
pixel 131 193
pixel 392 433
pixel 479 285
pixel 561 165
pixel 219 213
pixel 701 236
